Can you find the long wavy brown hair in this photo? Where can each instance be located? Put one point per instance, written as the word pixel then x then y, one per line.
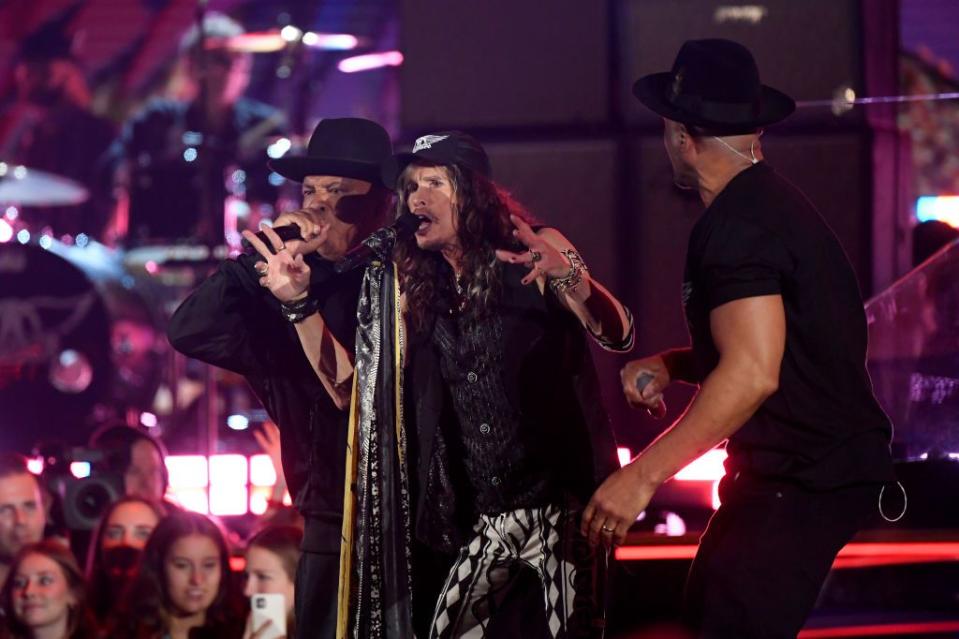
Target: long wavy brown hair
pixel 146 607
pixel 103 588
pixel 81 623
pixel 482 210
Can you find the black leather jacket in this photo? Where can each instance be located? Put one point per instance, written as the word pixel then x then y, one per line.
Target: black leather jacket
pixel 231 322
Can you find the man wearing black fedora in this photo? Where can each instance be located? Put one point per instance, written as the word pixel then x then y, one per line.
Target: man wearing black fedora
pixel 284 320
pixel 778 349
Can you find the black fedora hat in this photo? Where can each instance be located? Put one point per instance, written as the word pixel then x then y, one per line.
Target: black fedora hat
pixel 714 84
pixel 345 147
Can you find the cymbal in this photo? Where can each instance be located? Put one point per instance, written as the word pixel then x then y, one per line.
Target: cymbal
pixel 31 187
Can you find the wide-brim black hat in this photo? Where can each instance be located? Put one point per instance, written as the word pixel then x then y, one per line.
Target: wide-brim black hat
pixel 714 84
pixel 345 147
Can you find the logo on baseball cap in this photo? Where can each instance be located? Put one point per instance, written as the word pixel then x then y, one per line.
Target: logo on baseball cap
pixel 443 148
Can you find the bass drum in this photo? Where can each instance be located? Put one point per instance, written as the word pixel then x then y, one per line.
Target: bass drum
pixel 78 343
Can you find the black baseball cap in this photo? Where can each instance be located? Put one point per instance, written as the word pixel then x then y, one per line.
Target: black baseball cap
pixel 444 148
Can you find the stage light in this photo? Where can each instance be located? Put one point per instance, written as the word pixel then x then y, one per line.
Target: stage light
pixel 260 500
pixel 944 208
pixel 672 526
pixel 6 231
pixel 625 455
pixel 190 154
pixel 279 148
pixel 228 500
pixel 45 241
pixel 35 465
pixel 228 470
pixel 149 420
pixel 370 61
pixel 228 484
pixel 234 485
pixel 20 172
pixel 192 499
pixel 12 213
pixel 80 469
pixel 290 33
pixel 708 467
pixel 331 41
pixel 23 236
pixel 262 472
pixel 238 422
pixel 187 471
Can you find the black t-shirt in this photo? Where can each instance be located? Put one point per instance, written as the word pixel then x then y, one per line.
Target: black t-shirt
pixel 823 427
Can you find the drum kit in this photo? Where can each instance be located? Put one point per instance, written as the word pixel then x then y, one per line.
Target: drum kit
pixel 81 323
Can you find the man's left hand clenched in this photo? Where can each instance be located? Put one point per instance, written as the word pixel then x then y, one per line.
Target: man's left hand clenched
pixel 615 506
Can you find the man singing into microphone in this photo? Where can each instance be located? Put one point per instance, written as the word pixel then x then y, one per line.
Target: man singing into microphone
pixel 284 319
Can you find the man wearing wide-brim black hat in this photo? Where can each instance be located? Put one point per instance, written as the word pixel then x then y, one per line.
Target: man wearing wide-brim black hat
pixel 283 319
pixel 778 350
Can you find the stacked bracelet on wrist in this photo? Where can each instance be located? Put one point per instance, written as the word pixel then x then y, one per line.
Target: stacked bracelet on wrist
pixel 572 279
pixel 295 311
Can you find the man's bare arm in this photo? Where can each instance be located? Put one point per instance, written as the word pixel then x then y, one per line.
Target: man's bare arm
pixel 750 335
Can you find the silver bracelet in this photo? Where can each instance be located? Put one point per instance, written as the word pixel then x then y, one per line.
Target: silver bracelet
pixel 572 279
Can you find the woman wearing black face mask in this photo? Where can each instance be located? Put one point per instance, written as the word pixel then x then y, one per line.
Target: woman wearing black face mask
pixel 115 554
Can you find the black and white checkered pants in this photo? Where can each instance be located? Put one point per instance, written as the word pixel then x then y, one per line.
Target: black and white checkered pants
pixel 545 539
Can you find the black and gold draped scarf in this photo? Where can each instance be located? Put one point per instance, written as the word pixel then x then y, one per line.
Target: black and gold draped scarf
pixel 375 595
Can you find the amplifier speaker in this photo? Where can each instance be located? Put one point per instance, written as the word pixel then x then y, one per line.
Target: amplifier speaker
pixel 808 48
pixel 832 170
pixel 503 63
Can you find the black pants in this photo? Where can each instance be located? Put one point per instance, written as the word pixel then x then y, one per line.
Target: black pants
pixel 317 586
pixel 318 577
pixel 765 555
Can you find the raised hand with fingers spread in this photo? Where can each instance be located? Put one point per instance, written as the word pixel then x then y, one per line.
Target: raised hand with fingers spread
pixel 542 258
pixel 283 273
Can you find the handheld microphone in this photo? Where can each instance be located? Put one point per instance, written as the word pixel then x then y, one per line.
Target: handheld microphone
pixel 643 380
pixel 378 244
pixel 287 233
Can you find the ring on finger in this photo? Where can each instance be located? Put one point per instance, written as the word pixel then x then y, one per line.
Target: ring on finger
pixel 535 256
pixel 281 248
pixel 261 267
pixel 607 529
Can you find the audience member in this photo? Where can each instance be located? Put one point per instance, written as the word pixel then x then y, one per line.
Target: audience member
pixel 22 516
pixel 135 456
pixel 271 558
pixel 184 588
pixel 44 596
pixel 115 553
